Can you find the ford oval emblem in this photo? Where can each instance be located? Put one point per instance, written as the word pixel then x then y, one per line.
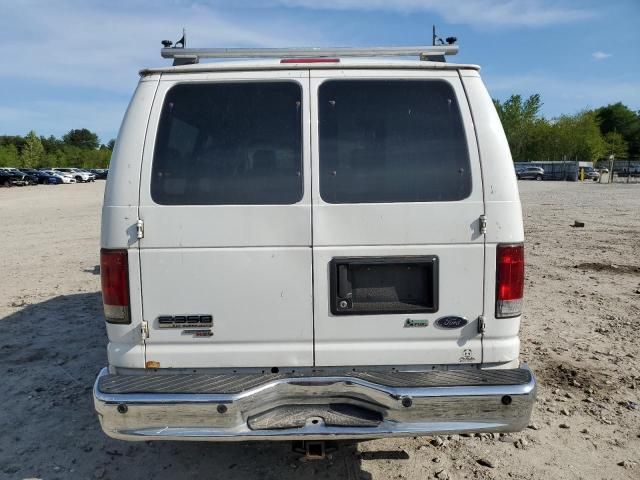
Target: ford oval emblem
pixel 451 322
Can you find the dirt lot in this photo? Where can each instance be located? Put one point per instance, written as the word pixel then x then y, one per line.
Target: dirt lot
pixel 579 335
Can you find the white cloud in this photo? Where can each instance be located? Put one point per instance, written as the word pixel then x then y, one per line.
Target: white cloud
pixel 600 55
pixel 478 13
pixel 83 59
pixel 103 46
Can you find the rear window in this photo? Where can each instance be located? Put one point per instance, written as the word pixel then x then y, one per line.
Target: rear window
pixel 385 141
pixel 229 144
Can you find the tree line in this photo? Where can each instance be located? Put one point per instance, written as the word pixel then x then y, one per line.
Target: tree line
pixel 77 148
pixel 589 135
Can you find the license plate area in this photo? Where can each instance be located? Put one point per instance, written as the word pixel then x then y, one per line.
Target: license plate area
pixel 384 285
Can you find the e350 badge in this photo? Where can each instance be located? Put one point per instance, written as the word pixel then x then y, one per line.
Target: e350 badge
pixel 195 325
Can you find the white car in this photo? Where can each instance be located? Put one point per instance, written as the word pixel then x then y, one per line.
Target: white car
pixel 312 248
pixel 64 177
pixel 78 174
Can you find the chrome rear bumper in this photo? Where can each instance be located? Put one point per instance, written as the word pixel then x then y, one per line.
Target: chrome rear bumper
pixel 313 407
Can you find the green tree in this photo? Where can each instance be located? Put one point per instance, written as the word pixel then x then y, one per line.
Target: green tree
pixel 578 137
pixel 8 156
pixel 539 145
pixel 15 140
pixel 518 119
pixel 81 138
pixel 72 156
pixel 51 144
pixel 55 158
pixel 616 145
pixel 32 152
pixel 621 119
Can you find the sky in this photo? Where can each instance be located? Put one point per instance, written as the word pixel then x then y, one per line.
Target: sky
pixel 74 64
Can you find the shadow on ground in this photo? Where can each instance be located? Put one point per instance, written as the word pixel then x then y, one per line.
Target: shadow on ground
pixel 50 353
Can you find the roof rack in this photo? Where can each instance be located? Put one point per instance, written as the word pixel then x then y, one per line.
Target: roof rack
pixel 183 56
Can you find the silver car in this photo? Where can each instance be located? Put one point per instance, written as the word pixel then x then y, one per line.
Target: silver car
pixel 530 173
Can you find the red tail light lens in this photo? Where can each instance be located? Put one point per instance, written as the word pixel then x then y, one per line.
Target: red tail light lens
pixel 509 280
pixel 114 273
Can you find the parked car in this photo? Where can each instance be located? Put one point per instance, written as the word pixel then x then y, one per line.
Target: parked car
pixel 92 176
pixel 37 175
pixel 591 174
pixel 100 173
pixel 305 277
pixel 79 175
pixel 11 178
pixel 41 176
pixel 5 179
pixel 531 173
pixel 12 171
pixel 50 178
pixel 30 178
pixel 61 176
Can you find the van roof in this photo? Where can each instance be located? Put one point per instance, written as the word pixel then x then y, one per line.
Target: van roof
pixel 275 64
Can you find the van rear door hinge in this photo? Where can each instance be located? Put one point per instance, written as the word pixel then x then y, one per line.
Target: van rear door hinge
pixel 144 329
pixel 140 229
pixel 481 324
pixel 483 224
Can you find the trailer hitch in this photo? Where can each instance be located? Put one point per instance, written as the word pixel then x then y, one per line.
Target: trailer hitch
pixel 314 449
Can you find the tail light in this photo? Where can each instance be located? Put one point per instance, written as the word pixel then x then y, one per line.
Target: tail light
pixel 509 280
pixel 114 272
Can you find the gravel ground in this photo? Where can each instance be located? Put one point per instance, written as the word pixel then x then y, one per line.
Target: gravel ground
pixel 582 314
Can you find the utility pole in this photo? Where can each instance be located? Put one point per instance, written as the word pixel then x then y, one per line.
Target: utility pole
pixel 611 162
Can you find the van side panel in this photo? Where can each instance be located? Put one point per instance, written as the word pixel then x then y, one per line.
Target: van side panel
pixel 119 216
pixel 503 211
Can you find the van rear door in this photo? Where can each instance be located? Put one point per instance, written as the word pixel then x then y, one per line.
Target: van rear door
pixel 226 267
pixel 398 243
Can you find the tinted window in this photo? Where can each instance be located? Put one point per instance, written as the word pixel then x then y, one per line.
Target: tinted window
pixel 391 141
pixel 229 143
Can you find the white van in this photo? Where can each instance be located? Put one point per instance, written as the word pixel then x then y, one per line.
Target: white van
pixel 311 247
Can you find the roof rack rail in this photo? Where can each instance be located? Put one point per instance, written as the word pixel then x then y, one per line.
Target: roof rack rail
pixel 183 56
